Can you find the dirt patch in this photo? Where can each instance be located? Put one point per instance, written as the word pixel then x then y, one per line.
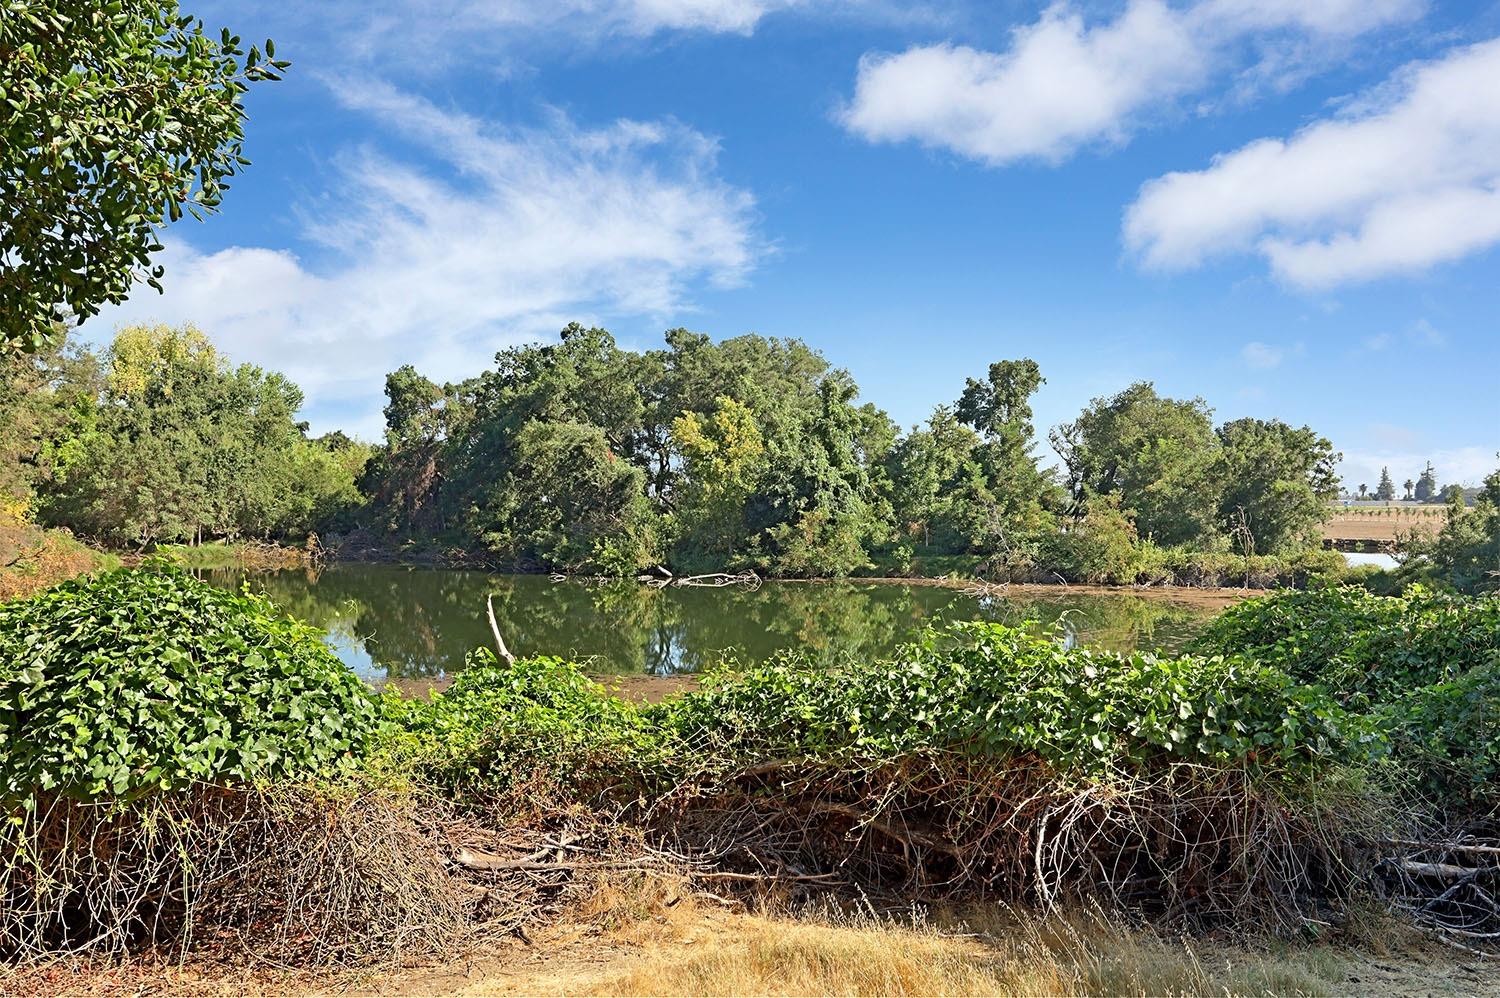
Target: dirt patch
pixel 1384 523
pixel 32 559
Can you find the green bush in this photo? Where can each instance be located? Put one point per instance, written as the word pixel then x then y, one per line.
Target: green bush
pixel 995 691
pixel 975 690
pixel 540 723
pixel 146 679
pixel 1359 646
pixel 1450 733
pixel 1100 547
pixel 1425 667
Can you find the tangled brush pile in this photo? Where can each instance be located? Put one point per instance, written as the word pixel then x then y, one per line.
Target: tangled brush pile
pixel 983 759
pixel 159 740
pixel 181 764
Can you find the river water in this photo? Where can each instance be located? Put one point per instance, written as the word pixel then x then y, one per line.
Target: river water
pixel 390 621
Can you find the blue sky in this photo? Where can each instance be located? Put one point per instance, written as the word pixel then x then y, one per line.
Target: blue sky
pixel 1291 209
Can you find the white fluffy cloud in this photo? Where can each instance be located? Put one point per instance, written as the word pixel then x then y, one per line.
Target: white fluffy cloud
pixel 523 231
pixel 1408 180
pixel 1064 82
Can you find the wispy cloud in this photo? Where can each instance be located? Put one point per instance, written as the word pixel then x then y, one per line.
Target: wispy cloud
pixel 1408 179
pixel 1262 356
pixel 513 233
pixel 1419 334
pixel 392 20
pixel 434 37
pixel 1064 82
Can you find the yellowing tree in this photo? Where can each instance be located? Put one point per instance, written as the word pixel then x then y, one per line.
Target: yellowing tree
pixel 723 455
pixel 157 358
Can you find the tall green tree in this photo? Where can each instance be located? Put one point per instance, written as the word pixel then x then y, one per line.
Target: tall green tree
pixel 1276 482
pixel 999 407
pixel 822 512
pixel 569 503
pixel 723 460
pixel 403 478
pixel 1157 453
pixel 114 117
pixel 1003 502
pixel 931 472
pixel 1386 490
pixel 1427 484
pixel 46 399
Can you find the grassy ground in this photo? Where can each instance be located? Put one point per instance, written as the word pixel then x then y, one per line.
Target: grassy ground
pixel 244 554
pixel 659 938
pixel 32 558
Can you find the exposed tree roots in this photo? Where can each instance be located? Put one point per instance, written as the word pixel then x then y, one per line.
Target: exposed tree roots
pixel 1195 845
pixel 285 871
pixel 294 875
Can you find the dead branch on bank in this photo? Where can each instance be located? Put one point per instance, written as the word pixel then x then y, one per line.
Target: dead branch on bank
pixel 1449 886
pixel 504 652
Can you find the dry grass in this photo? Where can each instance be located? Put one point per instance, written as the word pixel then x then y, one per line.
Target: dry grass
pixel 997 953
pixel 1384 523
pixel 31 559
pixel 653 935
pixel 288 873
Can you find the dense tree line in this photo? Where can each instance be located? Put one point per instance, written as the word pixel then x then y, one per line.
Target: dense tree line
pixel 160 439
pixel 756 453
pixel 580 456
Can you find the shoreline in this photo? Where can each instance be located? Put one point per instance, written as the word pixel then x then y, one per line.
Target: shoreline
pixel 255 557
pixel 1215 596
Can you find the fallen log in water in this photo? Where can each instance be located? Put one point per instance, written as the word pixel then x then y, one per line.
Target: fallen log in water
pixel 712 580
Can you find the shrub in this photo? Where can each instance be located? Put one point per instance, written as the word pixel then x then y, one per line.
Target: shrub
pixel 1001 692
pixel 144 680
pixel 1362 647
pixel 1426 667
pixel 1100 547
pixel 1450 733
pixel 540 725
pixel 975 689
pixel 981 758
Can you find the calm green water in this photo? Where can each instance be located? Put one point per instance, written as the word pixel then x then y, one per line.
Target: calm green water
pixel 394 621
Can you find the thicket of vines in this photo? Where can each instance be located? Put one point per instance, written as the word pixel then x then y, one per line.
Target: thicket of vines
pixel 180 763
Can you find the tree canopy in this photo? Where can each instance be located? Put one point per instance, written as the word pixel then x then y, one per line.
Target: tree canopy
pixel 161 439
pixel 113 118
pixel 579 456
pixel 1386 490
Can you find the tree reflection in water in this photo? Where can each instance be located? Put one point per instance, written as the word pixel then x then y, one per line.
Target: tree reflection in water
pixel 389 620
